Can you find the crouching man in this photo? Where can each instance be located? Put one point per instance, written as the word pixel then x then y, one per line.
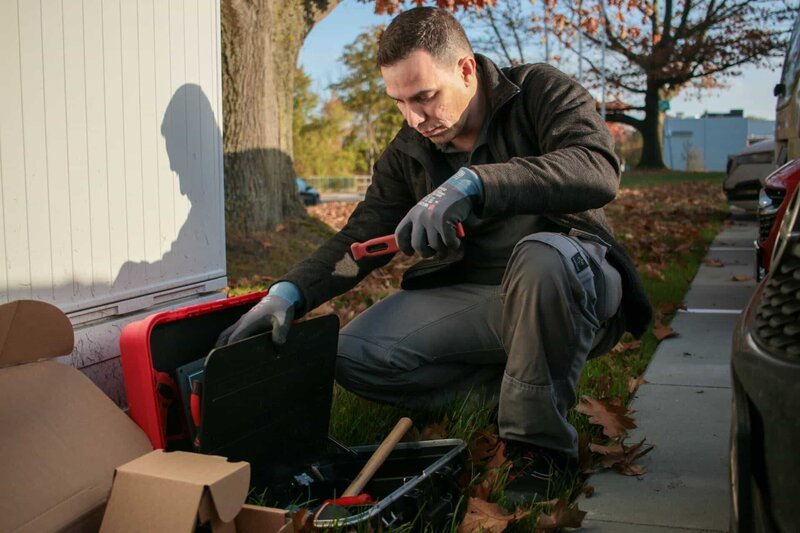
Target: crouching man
pixel 522 159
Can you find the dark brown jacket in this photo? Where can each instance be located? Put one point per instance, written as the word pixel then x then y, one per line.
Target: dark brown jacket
pixel 548 164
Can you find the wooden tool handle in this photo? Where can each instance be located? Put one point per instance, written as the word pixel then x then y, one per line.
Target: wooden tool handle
pixel 378 457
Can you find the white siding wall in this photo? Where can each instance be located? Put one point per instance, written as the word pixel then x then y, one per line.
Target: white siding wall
pixel 111 193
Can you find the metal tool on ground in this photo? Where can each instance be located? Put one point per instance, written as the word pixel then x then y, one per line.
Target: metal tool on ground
pixel 330 510
pixel 384 245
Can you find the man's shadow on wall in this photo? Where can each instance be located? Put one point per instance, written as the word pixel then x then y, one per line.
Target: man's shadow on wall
pixel 194 144
pixel 194 147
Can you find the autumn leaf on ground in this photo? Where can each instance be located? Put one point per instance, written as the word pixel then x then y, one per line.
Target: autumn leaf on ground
pixel 621 458
pixel 653 271
pixel 663 331
pixel 483 446
pixel 600 385
pixel 613 418
pixel 433 431
pixel 587 491
pixel 302 521
pixel 496 470
pixel 667 308
pixel 561 516
pixel 486 517
pixel 741 277
pixel 623 347
pixel 634 383
pixel 482 490
pixel 716 263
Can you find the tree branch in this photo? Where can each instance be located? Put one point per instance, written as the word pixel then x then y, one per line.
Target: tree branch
pixel 622 118
pixel 495 29
pixel 511 23
pixel 666 35
pixel 617 80
pixel 687 8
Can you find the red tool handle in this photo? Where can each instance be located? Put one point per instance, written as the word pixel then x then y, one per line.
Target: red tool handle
pixel 384 245
pixel 194 401
pixel 345 501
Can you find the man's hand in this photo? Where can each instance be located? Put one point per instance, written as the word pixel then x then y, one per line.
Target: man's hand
pixel 429 228
pixel 277 309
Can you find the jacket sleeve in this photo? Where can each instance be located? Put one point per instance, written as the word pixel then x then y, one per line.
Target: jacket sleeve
pixel 331 270
pixel 577 169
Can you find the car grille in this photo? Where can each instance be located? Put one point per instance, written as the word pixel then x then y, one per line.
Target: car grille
pixel 765 223
pixel 777 322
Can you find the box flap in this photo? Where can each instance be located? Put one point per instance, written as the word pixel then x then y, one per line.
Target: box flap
pixel 62 440
pixel 168 487
pixel 31 330
pixel 252 519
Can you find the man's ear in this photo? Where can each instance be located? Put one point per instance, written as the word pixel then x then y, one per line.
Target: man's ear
pixel 468 69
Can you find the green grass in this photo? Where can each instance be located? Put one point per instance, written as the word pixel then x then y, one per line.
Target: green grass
pixel 645 178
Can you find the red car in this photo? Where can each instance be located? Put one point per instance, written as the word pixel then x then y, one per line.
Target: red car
pixel 771 207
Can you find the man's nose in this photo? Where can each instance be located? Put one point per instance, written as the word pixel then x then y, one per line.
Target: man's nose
pixel 414 117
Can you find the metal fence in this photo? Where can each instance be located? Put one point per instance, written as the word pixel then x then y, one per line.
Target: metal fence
pixel 357 184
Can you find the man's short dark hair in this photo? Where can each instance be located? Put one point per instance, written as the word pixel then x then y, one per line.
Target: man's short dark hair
pixel 423 28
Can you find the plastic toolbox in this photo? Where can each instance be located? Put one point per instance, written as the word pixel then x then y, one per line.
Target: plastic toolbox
pixel 270 405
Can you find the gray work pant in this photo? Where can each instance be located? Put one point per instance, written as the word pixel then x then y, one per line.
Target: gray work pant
pixel 524 341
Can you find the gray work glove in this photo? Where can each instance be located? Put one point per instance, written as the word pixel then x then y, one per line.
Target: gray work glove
pixel 275 310
pixel 429 228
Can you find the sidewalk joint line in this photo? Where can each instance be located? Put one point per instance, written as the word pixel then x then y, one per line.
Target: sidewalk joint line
pixel 677 528
pixel 731 249
pixel 711 311
pixel 720 387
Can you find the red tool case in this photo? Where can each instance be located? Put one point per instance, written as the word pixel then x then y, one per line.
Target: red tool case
pixel 270 405
pixel 156 345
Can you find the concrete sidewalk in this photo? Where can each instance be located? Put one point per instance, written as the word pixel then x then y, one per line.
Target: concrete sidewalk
pixel 684 410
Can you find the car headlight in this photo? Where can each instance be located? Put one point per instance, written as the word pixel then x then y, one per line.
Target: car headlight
pixel 764 201
pixel 789 233
pixel 759 158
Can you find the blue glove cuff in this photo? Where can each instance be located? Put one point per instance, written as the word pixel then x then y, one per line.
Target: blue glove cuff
pixel 288 291
pixel 469 183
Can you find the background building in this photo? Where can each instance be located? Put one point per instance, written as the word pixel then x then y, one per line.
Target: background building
pixel 704 143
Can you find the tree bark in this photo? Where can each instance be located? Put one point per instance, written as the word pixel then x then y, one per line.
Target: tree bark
pixel 652 129
pixel 261 40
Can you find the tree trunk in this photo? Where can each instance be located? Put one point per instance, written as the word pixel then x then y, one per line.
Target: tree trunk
pixel 652 129
pixel 261 40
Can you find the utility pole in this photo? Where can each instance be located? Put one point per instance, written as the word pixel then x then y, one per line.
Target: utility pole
pixel 603 67
pixel 580 43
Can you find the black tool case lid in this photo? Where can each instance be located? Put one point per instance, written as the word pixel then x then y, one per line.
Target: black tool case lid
pixel 262 402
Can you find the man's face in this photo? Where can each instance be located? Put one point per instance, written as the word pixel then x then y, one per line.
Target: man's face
pixel 433 98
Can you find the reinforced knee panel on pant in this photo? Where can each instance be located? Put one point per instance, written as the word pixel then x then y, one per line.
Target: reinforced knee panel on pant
pixel 582 252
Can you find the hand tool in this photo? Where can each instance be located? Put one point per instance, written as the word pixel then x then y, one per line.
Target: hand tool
pixel 384 245
pixel 330 510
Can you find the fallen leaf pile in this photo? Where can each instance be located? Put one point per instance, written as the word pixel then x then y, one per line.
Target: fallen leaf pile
pixel 658 224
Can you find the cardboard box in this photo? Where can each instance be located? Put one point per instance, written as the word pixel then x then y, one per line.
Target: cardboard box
pixel 61 436
pixel 63 440
pixel 172 491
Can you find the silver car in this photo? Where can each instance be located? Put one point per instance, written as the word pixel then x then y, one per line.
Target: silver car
pixel 746 172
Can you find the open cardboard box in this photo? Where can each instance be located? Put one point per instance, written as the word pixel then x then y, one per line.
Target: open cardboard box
pixel 63 440
pixel 170 491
